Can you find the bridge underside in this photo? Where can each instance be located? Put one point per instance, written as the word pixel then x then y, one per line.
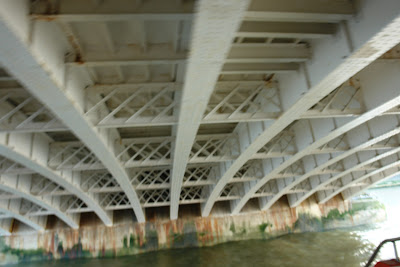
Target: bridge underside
pixel 147 106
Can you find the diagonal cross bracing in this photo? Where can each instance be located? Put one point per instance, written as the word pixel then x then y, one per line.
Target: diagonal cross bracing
pixel 374 179
pixel 19 185
pixel 358 142
pixel 40 68
pixel 389 98
pixel 299 94
pixel 390 164
pixel 12 209
pixel 31 151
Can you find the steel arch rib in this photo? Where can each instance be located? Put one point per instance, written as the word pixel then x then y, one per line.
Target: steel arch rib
pixel 391 99
pixel 370 142
pixel 73 221
pixel 37 165
pixel 350 192
pixel 394 165
pixel 382 37
pixel 216 23
pixel 40 68
pixel 33 222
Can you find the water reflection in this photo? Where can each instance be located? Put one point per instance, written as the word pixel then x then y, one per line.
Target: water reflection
pixel 326 249
pixel 390 197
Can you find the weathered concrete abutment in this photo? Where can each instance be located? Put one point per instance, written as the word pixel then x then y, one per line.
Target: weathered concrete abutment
pixel 129 237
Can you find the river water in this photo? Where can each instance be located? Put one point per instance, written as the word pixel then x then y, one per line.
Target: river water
pixel 334 248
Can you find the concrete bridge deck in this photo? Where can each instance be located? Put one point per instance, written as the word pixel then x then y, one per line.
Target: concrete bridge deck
pixel 221 105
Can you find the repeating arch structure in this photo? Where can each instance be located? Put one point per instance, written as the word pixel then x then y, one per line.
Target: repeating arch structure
pixel 21 210
pixel 19 186
pixel 109 105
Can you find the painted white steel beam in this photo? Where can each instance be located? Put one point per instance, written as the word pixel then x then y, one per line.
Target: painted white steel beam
pixel 239 53
pixel 306 11
pixel 338 181
pixel 378 130
pixel 258 29
pixel 260 68
pixel 391 165
pixel 39 66
pixel 334 61
pixel 268 53
pixel 20 185
pixel 113 10
pixel 259 10
pixel 13 119
pixel 32 151
pixel 374 179
pixel 215 25
pixel 13 208
pixel 155 120
pixel 316 133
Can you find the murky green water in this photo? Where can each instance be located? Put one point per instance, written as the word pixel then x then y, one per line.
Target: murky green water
pixel 309 249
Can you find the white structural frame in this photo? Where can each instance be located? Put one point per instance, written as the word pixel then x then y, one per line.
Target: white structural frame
pixel 214 29
pixel 39 65
pixel 348 54
pixel 376 105
pixel 109 105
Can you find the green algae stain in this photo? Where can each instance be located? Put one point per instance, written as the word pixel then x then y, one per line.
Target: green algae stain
pixel 264 226
pixel 125 242
pixel 308 223
pixel 232 228
pixel 151 242
pixel 131 241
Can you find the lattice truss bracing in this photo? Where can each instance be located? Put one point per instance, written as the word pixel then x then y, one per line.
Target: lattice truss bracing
pixel 109 105
pixel 21 112
pixel 153 104
pixel 153 185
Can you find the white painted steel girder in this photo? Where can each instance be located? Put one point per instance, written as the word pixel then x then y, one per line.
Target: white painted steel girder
pixel 259 10
pixel 20 185
pixel 390 166
pixel 31 151
pixel 225 101
pixel 12 208
pixel 215 26
pixel 37 62
pixel 374 179
pixel 371 134
pixel 315 133
pixel 355 45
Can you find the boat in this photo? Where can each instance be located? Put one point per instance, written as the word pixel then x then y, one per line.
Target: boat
pixel 385 263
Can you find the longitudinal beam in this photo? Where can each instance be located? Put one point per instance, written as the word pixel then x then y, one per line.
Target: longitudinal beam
pixel 329 69
pixel 113 10
pixel 39 66
pixel 307 11
pixel 286 30
pixel 259 10
pixel 214 28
